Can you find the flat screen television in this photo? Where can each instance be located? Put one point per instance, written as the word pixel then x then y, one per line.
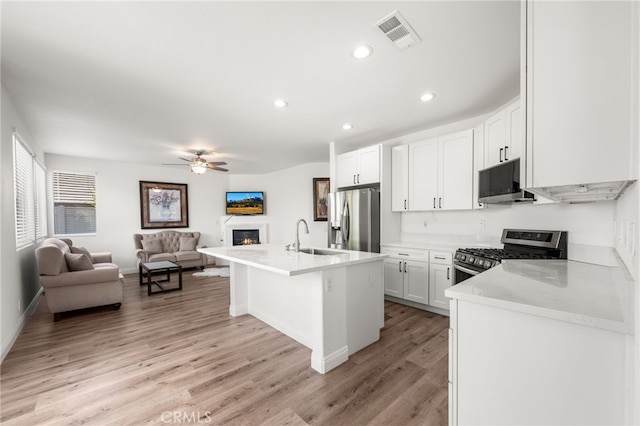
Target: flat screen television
pixel 245 203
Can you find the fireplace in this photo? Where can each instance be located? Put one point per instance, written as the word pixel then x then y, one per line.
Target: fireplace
pixel 235 233
pixel 243 237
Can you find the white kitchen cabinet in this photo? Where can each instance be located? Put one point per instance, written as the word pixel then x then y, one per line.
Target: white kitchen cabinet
pixel 509 368
pixel 503 136
pixel 361 167
pixel 455 176
pixel 441 173
pixel 478 162
pixel 406 275
pixel 581 82
pixel 423 175
pixel 400 178
pixel 440 278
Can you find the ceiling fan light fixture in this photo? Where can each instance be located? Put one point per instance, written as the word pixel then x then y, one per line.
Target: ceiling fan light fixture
pixel 198 169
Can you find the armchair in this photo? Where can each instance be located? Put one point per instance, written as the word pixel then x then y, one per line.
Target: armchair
pixel 74 279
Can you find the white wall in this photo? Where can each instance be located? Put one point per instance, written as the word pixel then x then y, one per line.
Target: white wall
pixel 289 197
pixel 118 203
pixel 19 284
pixel 590 223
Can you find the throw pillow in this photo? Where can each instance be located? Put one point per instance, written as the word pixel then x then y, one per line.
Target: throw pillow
pixel 152 246
pixel 78 262
pixel 82 250
pixel 187 244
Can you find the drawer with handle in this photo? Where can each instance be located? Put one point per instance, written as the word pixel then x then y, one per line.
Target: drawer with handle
pixel 440 257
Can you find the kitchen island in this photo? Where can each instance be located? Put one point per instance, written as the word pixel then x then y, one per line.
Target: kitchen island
pixel 542 342
pixel 331 303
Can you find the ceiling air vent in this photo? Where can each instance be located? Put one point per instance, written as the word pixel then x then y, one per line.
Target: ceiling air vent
pixel 398 30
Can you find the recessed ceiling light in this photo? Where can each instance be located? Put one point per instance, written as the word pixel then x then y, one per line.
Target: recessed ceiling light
pixel 280 103
pixel 347 126
pixel 362 52
pixel 427 97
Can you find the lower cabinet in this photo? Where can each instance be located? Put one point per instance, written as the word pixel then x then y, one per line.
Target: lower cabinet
pixel 407 279
pixel 419 276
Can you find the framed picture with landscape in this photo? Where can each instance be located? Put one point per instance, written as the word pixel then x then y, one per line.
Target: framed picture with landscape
pixel 320 198
pixel 163 205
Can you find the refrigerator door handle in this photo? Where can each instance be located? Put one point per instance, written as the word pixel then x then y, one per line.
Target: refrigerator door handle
pixel 344 223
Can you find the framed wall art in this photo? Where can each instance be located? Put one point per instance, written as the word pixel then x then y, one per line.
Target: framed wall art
pixel 163 205
pixel 320 199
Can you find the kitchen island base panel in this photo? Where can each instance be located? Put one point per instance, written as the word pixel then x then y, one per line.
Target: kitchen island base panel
pixel 334 312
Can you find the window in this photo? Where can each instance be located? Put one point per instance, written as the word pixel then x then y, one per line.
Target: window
pixel 29 178
pixel 74 203
pixel 24 193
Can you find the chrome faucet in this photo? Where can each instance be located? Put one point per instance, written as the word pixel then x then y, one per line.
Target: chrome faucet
pixel 306 227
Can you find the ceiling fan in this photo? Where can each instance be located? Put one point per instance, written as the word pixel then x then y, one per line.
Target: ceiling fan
pixel 199 165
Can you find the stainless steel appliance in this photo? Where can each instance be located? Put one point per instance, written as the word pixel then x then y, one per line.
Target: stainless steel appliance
pixel 500 184
pixel 518 244
pixel 354 219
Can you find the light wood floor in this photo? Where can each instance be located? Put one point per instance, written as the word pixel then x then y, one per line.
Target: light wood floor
pixel 180 358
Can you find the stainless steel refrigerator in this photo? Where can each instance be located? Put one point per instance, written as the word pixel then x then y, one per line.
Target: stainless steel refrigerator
pixel 354 219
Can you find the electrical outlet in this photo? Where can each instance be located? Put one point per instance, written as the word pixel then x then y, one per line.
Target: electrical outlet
pixel 329 286
pixel 425 223
pixel 482 224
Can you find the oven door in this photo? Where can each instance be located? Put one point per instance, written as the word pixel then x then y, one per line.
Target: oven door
pixel 464 272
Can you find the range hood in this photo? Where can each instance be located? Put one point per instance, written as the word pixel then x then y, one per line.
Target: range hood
pixel 520 196
pixel 583 193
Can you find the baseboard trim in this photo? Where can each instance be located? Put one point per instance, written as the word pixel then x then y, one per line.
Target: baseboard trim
pixel 325 364
pixel 7 345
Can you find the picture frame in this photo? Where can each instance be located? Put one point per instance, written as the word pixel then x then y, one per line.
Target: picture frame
pixel 163 205
pixel 321 189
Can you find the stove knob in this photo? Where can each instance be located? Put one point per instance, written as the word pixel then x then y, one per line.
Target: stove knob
pixel 470 259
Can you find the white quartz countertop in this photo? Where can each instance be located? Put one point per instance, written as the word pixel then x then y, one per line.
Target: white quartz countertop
pixel 274 258
pixel 583 293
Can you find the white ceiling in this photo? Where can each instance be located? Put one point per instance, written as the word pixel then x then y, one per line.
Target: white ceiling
pixel 147 81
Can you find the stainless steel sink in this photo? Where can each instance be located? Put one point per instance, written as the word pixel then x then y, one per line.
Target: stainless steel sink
pixel 320 252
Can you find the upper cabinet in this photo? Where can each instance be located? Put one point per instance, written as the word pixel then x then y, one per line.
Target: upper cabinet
pixel 580 76
pixel 503 137
pixel 435 174
pixel 361 167
pixel 400 178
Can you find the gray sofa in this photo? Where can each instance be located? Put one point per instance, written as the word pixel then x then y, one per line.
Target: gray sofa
pixel 74 279
pixel 174 246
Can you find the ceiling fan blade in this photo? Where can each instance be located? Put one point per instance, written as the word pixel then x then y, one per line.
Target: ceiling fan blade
pixel 184 159
pixel 217 163
pixel 220 169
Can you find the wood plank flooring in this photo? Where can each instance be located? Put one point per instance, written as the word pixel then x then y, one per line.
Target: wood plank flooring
pixel 180 358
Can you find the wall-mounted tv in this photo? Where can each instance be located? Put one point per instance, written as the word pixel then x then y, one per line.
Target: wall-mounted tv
pixel 245 203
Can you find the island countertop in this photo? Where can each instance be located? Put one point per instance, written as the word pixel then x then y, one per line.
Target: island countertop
pixel 274 258
pixel 582 293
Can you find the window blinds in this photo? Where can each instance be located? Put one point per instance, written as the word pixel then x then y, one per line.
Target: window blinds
pixel 74 209
pixel 23 179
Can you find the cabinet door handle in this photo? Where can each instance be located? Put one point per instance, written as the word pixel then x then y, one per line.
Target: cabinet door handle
pixel 354 176
pixel 438 257
pixel 448 272
pixel 440 202
pixel 358 177
pixel 434 202
pixel 400 266
pixel 405 204
pixel 505 153
pixel 405 267
pixel 501 149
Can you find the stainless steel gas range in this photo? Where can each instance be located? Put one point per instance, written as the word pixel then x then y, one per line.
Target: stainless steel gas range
pixel 518 244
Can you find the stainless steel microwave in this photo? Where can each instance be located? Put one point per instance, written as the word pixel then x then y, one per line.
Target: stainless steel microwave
pixel 500 184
